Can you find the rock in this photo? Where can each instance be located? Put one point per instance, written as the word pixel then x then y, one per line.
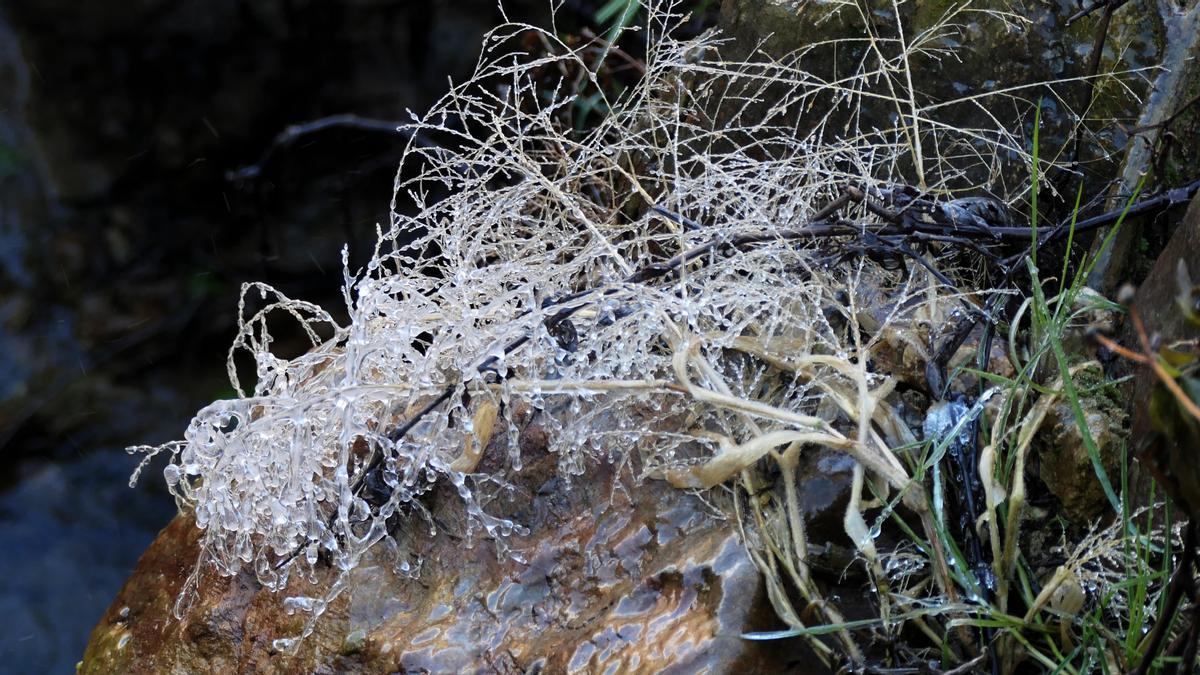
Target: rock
pixel 824 479
pixel 984 55
pixel 1160 155
pixel 1155 298
pixel 1065 465
pixel 1165 323
pixel 633 578
pixel 967 356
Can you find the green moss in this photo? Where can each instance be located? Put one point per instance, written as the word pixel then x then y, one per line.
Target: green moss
pixel 1101 392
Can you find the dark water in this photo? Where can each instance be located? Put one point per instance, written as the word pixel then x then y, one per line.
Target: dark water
pixel 123 243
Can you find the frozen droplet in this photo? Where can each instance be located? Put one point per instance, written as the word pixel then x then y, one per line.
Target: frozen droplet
pixel 284 645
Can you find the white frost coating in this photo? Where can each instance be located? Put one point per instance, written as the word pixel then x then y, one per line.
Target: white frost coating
pixel 528 214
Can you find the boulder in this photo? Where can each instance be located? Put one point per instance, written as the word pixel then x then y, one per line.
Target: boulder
pixel 1065 465
pixel 984 47
pixel 1152 51
pixel 1159 455
pixel 1164 152
pixel 614 576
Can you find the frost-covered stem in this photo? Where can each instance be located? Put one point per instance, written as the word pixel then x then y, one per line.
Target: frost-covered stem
pixel 809 591
pixel 758 446
pixel 591 386
pixel 854 522
pixel 856 528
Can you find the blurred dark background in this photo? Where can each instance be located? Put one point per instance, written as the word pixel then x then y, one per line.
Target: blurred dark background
pixel 123 243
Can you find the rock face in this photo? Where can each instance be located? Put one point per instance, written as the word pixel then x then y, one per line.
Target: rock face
pixel 614 577
pixel 1155 45
pixel 1160 154
pixel 979 54
pixel 1165 323
pixel 1156 295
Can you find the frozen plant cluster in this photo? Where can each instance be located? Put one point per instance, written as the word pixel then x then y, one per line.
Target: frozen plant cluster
pixel 654 289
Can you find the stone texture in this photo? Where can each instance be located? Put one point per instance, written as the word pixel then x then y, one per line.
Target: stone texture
pixel 1155 298
pixel 823 482
pixel 1165 154
pixel 615 577
pixel 983 56
pixel 988 57
pixel 1065 465
pixel 1165 323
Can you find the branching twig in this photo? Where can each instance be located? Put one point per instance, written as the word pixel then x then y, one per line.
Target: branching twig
pixel 295 132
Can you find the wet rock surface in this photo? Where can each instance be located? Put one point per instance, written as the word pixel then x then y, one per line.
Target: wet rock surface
pixel 1156 295
pixel 614 577
pixel 824 479
pixel 1163 152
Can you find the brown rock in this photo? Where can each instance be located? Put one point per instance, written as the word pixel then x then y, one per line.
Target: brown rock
pixel 1065 465
pixel 632 578
pixel 1165 324
pixel 1155 298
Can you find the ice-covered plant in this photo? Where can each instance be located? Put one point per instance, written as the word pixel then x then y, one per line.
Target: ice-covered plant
pixel 672 290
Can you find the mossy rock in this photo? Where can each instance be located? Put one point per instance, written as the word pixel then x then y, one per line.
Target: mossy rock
pixel 1066 466
pixel 989 47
